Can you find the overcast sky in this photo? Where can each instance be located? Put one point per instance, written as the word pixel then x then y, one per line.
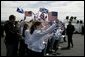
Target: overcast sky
pixel 64 8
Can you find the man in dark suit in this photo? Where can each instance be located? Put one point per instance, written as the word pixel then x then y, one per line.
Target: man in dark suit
pixel 70 30
pixel 2 30
pixel 11 39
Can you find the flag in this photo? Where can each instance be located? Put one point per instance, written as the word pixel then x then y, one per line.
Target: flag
pixel 43 10
pixel 28 13
pixel 20 10
pixel 52 16
pixel 42 16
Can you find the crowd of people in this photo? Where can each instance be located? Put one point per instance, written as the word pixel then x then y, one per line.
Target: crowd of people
pixel 34 38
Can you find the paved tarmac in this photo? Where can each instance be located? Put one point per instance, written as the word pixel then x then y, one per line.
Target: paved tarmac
pixel 77 50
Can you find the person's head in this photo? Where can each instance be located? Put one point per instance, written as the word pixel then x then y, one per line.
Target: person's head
pixel 35 25
pixel 26 26
pixel 12 18
pixel 70 23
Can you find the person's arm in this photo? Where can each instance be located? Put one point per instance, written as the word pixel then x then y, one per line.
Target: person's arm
pixel 67 30
pixel 73 28
pixel 46 38
pixel 27 36
pixel 8 28
pixel 50 29
pixel 58 33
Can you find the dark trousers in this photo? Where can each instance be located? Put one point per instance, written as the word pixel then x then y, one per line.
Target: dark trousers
pixel 49 45
pixel 22 48
pixel 33 53
pixel 64 39
pixel 70 41
pixel 55 45
pixel 11 49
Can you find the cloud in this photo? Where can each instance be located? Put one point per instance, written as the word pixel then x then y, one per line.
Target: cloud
pixel 67 6
pixel 76 6
pixel 63 7
pixel 60 3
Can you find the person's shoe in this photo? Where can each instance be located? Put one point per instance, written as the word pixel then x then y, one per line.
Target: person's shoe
pixel 65 41
pixel 59 47
pixel 72 46
pixel 53 50
pixel 47 54
pixel 68 48
pixel 58 53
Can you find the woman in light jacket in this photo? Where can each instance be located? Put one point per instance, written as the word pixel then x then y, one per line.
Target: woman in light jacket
pixel 34 38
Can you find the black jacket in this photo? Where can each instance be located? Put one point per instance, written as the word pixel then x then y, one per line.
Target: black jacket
pixel 11 32
pixel 70 29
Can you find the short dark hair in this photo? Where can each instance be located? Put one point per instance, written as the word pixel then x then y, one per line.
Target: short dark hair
pixel 34 25
pixel 11 17
pixel 69 22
